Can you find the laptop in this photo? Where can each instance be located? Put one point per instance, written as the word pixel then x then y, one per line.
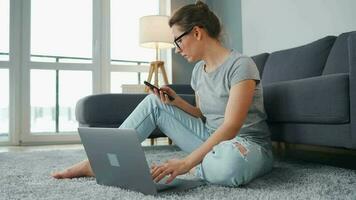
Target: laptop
pixel 117 159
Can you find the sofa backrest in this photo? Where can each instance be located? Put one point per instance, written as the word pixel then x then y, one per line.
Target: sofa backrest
pixel 260 61
pixel 338 60
pixel 182 88
pixel 299 62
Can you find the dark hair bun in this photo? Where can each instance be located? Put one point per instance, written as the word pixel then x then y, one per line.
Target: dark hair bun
pixel 197 14
pixel 202 5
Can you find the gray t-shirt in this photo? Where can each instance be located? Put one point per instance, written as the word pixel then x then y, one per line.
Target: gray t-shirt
pixel 213 90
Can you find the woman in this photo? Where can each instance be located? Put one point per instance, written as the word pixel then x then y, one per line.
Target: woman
pixel 231 146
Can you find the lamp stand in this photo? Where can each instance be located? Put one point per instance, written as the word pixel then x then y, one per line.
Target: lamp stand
pixel 154 67
pixel 153 71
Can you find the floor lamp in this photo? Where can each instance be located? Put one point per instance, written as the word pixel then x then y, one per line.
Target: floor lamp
pixel 156 34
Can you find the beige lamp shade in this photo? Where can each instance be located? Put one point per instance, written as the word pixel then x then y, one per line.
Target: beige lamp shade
pixel 155 32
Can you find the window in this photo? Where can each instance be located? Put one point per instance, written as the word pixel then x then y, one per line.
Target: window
pixel 124 22
pixel 124 42
pixel 4 69
pixel 120 78
pixel 61 31
pixel 43 100
pixel 70 91
pixel 75 48
pixel 4 104
pixel 4 30
pixel 54 94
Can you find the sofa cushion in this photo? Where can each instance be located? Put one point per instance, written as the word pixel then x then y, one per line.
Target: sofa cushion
pixel 323 99
pixel 260 61
pixel 110 110
pixel 106 109
pixel 297 63
pixel 338 60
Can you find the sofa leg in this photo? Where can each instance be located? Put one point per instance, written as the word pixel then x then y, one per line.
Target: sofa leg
pixel 283 146
pixel 280 148
pixel 170 142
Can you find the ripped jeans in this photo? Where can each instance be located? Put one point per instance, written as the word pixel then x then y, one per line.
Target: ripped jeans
pixel 230 163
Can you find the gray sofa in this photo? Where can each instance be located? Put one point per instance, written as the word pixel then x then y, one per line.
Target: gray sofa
pixel 309 95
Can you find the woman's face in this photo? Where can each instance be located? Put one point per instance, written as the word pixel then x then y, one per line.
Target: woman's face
pixel 186 44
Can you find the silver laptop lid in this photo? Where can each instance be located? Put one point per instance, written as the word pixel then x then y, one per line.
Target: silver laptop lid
pixel 117 158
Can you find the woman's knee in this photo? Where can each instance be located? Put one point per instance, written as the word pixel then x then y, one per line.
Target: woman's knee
pixel 151 98
pixel 225 165
pixel 151 101
pixel 154 100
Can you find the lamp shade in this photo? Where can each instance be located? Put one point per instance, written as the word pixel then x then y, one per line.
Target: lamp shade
pixel 155 32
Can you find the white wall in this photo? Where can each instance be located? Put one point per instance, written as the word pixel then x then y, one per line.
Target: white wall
pixel 229 13
pixel 273 25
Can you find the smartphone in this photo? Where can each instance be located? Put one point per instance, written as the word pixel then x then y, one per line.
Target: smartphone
pixel 152 87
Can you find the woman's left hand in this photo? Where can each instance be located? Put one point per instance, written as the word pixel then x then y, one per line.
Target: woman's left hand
pixel 173 167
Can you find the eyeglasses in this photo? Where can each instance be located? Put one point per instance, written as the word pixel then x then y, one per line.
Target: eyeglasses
pixel 178 40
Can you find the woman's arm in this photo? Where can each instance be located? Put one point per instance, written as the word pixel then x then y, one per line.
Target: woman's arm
pixel 240 99
pixel 180 102
pixel 188 108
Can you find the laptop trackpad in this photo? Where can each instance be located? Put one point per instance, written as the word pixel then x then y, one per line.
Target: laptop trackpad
pixel 178 185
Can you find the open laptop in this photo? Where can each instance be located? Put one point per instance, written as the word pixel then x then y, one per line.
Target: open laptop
pixel 117 159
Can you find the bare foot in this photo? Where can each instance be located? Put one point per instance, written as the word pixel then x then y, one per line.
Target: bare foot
pixel 81 169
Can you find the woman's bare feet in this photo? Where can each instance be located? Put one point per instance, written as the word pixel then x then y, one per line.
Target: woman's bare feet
pixel 81 169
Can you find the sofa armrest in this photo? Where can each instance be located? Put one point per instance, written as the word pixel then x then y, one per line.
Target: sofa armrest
pixel 110 110
pixel 106 109
pixel 352 70
pixel 321 100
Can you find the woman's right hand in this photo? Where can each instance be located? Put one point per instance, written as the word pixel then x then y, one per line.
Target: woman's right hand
pixel 164 98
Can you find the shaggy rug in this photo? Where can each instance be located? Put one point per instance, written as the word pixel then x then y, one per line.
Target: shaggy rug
pixel 26 175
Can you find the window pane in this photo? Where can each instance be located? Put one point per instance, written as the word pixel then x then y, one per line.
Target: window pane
pixel 124 29
pixel 73 85
pixel 4 29
pixel 61 28
pixel 119 78
pixel 43 101
pixel 4 104
pixel 143 77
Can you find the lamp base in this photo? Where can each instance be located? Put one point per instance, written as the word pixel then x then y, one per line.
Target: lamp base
pixel 154 67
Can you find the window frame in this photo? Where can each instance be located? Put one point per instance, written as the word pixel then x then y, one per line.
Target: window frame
pixel 10 67
pixel 20 64
pixel 26 137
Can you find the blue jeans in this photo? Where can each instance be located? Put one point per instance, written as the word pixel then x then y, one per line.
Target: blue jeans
pixel 225 164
